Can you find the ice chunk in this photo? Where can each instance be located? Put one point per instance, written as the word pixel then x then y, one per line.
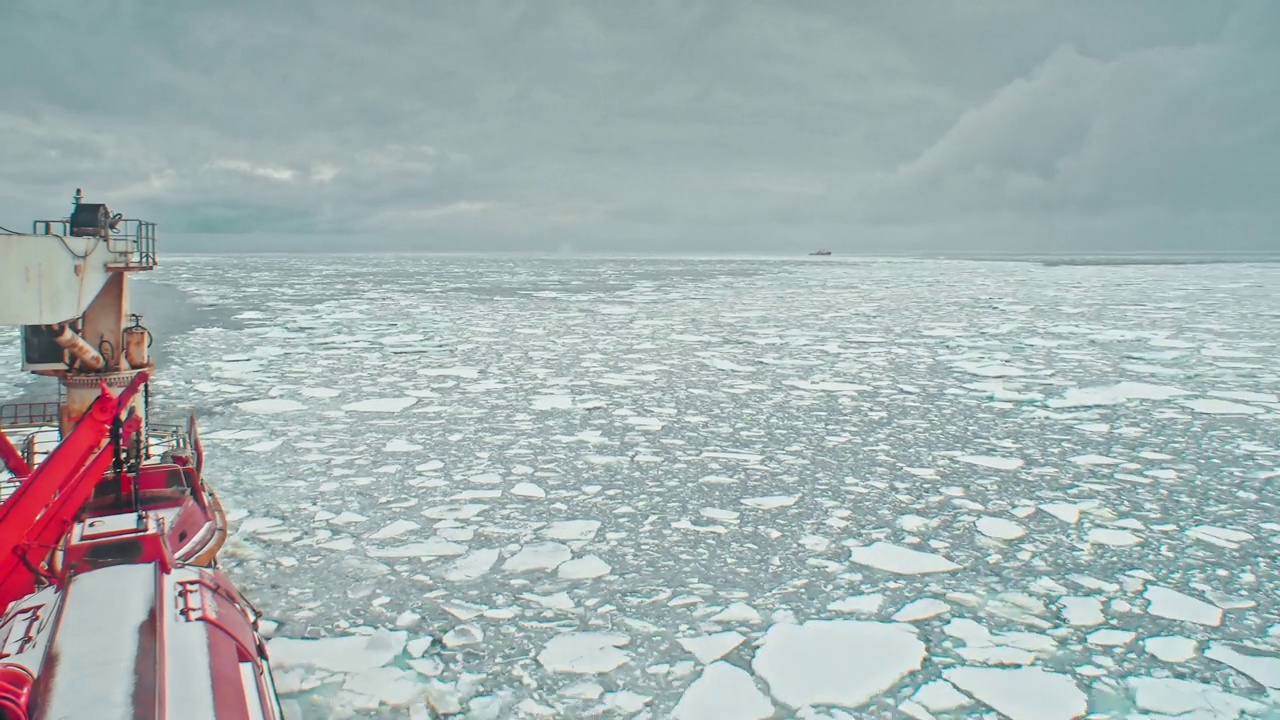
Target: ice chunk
pixel 395 529
pixel 770 502
pixel 527 490
pixel 584 568
pixel 1114 538
pixel 381 405
pixel 1171 648
pixel 836 662
pixel 1000 528
pixel 863 604
pixel 462 636
pixel 941 695
pixel 344 654
pixel 473 565
pixel 264 446
pixel 1222 537
pixel 737 613
pixel 992 462
pixel 1172 604
pixel 271 406
pixel 1210 406
pixel 585 652
pixel 1263 667
pixel 555 601
pixel 538 556
pixel 585 690
pixel 398 446
pixel 571 530
pixel 723 692
pixel 435 547
pixel 1115 395
pixel 1111 638
pixel 454 512
pixel 626 702
pixel 347 518
pixel 1066 512
pixel 1186 698
pixel 1095 460
pixel 1022 693
pixel 902 561
pixel 391 686
pixel 1082 611
pixel 553 402
pixel 921 609
pixel 709 648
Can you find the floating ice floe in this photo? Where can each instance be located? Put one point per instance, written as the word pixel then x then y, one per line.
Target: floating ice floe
pixel 902 561
pixel 553 402
pixel 709 648
pixel 994 463
pixel 1263 667
pixel 723 692
pixel 585 652
pixel 1000 528
pixel 472 565
pixel 844 663
pixel 1171 648
pixel 1022 693
pixel 1095 460
pixel 857 604
pixel 395 529
pixel 344 654
pixel 1222 537
pixel 381 405
pixel 771 502
pixel 571 530
pixel 921 609
pixel 1112 537
pixel 538 556
pixel 1066 512
pixel 1172 604
pixel 1210 406
pixel 435 547
pixel 1115 395
pixel 271 406
pixel 527 490
pixel 584 568
pixel 1185 698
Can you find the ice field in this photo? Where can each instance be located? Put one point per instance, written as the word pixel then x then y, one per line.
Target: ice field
pixel 689 488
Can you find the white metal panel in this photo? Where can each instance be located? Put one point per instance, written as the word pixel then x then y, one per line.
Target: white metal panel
pixel 47 279
pixel 92 673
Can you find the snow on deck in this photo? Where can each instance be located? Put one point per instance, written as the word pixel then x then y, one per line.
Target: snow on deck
pixel 748 489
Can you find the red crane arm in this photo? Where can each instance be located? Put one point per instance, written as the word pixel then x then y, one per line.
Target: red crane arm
pixel 11 458
pixel 46 504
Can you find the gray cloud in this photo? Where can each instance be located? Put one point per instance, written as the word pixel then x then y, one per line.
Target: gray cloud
pixel 910 125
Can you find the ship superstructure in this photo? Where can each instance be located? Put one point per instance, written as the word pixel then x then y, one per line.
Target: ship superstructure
pixel 111 601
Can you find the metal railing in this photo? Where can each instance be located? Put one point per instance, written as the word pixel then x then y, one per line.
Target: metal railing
pixel 29 414
pixel 134 241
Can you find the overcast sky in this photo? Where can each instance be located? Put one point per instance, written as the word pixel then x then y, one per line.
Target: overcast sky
pixel 971 125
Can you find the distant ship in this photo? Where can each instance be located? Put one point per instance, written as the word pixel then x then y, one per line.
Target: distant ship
pixel 820 252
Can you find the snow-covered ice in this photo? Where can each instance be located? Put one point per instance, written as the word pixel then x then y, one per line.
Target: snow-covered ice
pixel 691 451
pixel 837 662
pixel 900 560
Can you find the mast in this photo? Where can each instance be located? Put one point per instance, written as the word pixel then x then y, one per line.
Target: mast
pixel 67 285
